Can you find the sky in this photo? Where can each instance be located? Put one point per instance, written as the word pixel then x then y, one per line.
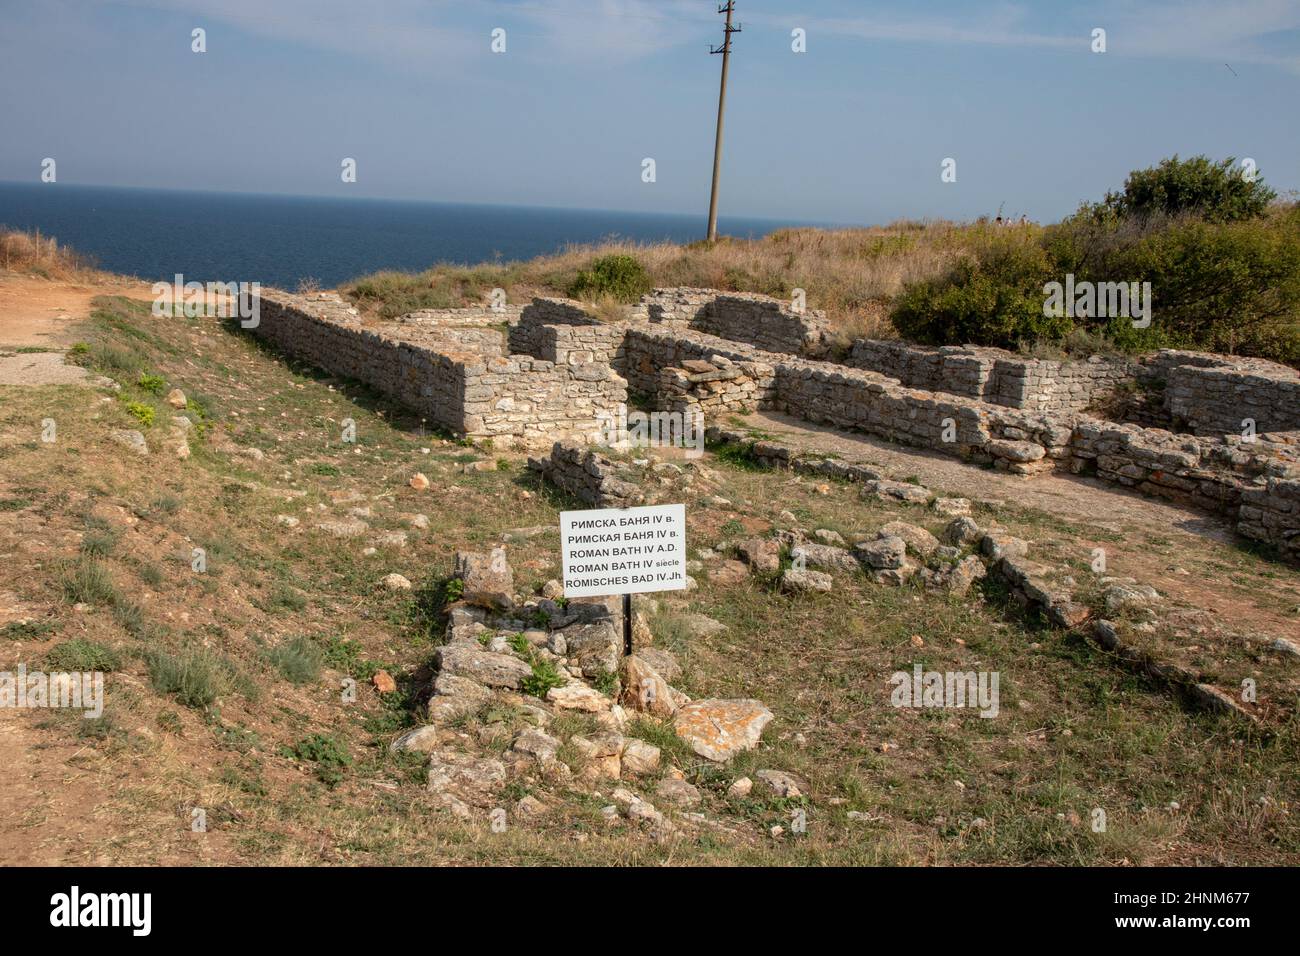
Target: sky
pixel 854 130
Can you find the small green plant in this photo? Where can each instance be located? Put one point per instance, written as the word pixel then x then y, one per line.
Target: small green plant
pixel 519 644
pixel 543 678
pixel 343 654
pixel 82 655
pixel 194 677
pixel 605 681
pixel 453 590
pixel 88 582
pixel 298 660
pixel 153 384
pixel 327 753
pixel 619 276
pixel 26 630
pixel 142 413
pixel 99 542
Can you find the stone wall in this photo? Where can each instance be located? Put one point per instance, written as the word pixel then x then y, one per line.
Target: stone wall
pixel 995 375
pixel 1214 395
pixel 459 379
pixel 472 316
pixel 587 475
pixel 759 320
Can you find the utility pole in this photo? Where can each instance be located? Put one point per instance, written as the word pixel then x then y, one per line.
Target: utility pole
pixel 725 50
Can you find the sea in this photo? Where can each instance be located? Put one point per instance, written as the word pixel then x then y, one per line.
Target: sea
pixel 283 240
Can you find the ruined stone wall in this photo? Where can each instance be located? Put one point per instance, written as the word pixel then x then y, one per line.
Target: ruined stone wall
pixel 587 475
pixel 457 378
pixel 994 375
pixel 759 320
pixel 1216 398
pixel 528 335
pixel 472 316
pixel 648 349
pixel 322 331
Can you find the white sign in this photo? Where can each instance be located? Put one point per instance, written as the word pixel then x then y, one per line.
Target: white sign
pixel 623 550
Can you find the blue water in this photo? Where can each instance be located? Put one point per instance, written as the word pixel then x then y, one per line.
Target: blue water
pixel 279 240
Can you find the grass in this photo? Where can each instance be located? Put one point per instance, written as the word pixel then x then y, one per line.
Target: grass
pixel 850 273
pixel 82 655
pixel 298 660
pixel 194 677
pixel 202 709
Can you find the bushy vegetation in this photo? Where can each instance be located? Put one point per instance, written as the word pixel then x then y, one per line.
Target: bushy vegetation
pixel 620 277
pixel 1223 266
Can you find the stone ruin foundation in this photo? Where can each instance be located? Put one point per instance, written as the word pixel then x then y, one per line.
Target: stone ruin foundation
pixel 551 372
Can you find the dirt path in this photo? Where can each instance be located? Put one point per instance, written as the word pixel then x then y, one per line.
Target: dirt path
pixel 1143 522
pixel 38 313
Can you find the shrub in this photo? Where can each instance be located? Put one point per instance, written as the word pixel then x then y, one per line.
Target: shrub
pixel 153 384
pixel 82 655
pixel 621 277
pixel 194 677
pixel 298 660
pixel 1214 192
pixel 88 582
pixel 330 757
pixel 543 678
pixel 143 413
pixel 994 299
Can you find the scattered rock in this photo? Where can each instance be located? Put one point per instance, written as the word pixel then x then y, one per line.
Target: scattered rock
pixel 488 580
pixel 419 481
pixel 130 439
pixel 176 398
pixel 829 537
pixel 998 544
pixel 492 670
pixel 919 541
pixel 578 696
pixel 806 581
pixel 384 682
pixel 720 729
pixel 883 553
pixel 740 788
pixel 962 532
pixel 395 582
pixel 728 573
pixel 781 783
pixel 344 527
pixel 640 758
pixel 678 793
pixel 665 662
pixel 644 689
pixel 762 554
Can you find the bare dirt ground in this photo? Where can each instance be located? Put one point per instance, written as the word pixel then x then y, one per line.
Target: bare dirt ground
pixel 1155 541
pixel 38 313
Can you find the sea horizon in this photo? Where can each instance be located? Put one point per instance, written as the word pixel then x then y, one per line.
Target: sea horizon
pixel 281 239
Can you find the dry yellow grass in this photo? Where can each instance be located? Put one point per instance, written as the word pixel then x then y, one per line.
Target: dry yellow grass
pixel 851 273
pixel 30 252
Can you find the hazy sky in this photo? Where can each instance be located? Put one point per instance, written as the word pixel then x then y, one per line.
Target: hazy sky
pixel 853 130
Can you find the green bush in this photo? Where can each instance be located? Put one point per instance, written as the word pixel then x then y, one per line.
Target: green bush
pixel 194 677
pixel 153 384
pixel 619 276
pixel 82 655
pixel 298 660
pixel 327 753
pixel 1223 267
pixel 995 298
pixel 1229 287
pixel 144 414
pixel 1214 192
